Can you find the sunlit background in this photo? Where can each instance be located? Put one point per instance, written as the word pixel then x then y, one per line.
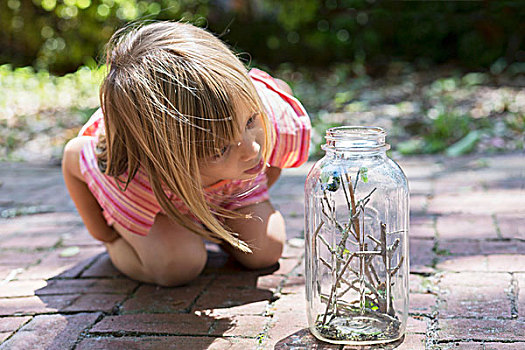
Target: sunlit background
pixel 442 77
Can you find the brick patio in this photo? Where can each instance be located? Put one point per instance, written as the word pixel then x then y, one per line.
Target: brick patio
pixel 58 289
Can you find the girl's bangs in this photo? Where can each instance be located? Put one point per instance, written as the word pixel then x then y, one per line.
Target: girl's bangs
pixel 224 116
pixel 218 126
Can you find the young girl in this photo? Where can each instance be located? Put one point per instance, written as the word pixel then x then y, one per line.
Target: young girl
pixel 184 147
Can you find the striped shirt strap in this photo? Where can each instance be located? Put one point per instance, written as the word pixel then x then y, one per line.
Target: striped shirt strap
pixel 291 122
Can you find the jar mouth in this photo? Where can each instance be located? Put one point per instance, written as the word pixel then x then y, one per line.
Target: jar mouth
pixel 356 138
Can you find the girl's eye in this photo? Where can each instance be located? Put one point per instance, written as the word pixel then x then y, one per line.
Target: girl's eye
pixel 221 152
pixel 251 122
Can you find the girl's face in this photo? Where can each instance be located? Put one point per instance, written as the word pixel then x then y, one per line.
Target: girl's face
pixel 240 160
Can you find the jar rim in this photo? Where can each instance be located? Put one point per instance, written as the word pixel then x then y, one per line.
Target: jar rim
pixel 349 130
pixel 356 138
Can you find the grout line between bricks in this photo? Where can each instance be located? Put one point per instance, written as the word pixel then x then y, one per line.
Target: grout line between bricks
pixel 91 263
pixel 262 337
pixel 86 330
pixel 60 294
pixel 64 312
pixel 16 331
pixel 163 334
pixel 512 293
pixel 474 240
pixel 119 334
pixel 24 250
pixel 433 323
pixel 114 311
pixel 479 318
pixel 435 247
pixel 202 292
pixel 496 225
pixel 100 278
pixel 118 305
pixel 480 340
pixel 38 261
pixel 432 329
pixel 275 297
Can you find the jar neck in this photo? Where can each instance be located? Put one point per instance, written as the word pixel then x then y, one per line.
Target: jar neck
pixel 358 140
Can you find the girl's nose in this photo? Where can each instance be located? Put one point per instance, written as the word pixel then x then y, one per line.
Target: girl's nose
pixel 250 148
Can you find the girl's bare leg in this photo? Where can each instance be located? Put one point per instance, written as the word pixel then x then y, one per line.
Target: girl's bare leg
pixel 265 233
pixel 169 255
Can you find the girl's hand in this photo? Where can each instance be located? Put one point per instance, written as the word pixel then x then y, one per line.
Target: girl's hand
pixel 272 174
pixel 109 236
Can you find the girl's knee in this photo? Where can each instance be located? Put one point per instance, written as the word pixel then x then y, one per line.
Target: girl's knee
pixel 179 269
pixel 267 257
pixel 266 234
pixel 262 261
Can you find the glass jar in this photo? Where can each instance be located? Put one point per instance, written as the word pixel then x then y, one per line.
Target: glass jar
pixel 356 227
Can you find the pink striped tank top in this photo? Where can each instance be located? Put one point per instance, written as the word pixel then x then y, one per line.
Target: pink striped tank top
pixel 135 209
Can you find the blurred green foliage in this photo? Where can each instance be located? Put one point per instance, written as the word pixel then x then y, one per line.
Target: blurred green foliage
pixel 443 112
pixel 61 35
pixel 41 111
pixel 330 51
pixel 27 91
pixel 439 111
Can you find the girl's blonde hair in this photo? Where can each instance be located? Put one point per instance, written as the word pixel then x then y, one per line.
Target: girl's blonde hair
pixel 170 99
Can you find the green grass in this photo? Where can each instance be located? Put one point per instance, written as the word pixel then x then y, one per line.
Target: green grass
pixel 440 111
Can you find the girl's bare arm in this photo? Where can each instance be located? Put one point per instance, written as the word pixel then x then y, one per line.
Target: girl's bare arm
pixel 272 175
pixel 86 204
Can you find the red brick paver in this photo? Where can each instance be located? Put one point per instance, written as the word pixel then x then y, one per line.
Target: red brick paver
pixel 51 332
pixel 59 290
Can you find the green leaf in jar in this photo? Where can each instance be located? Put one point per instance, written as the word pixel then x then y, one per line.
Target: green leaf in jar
pixel 364 174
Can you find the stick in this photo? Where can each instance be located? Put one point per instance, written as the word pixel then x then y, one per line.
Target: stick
pixel 314 239
pixel 355 220
pixel 334 286
pixel 394 270
pixel 326 263
pixel 326 244
pixel 346 194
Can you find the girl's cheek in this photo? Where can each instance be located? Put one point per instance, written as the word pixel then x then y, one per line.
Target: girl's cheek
pixel 259 131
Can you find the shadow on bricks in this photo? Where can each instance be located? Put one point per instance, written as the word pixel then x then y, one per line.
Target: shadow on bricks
pixel 92 303
pixel 59 289
pixel 303 339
